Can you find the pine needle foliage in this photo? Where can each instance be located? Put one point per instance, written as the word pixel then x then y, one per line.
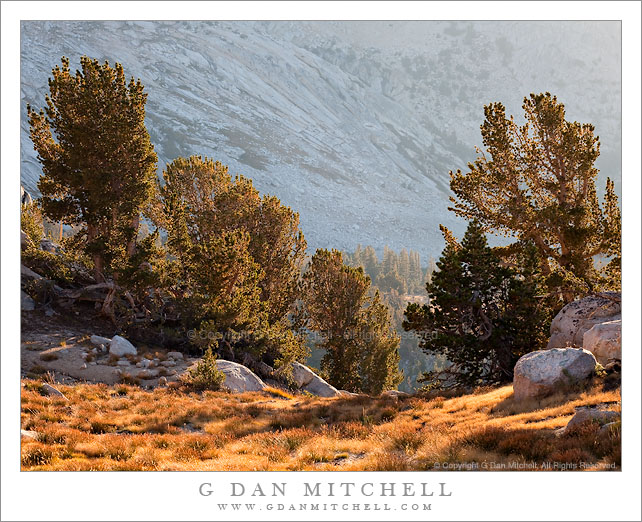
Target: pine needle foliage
pixel 482 316
pixel 362 349
pixel 99 165
pixel 536 182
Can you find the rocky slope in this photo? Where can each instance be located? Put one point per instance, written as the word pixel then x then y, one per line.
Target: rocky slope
pixel 355 125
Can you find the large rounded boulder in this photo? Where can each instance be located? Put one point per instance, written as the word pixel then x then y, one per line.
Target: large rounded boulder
pixel 604 341
pixel 119 346
pixel 544 372
pixel 576 318
pixel 310 382
pixel 239 378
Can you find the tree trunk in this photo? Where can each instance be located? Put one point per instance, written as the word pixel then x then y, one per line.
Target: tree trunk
pixel 99 265
pixel 131 245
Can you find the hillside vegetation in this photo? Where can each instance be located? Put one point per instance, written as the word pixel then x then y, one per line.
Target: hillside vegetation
pixel 96 427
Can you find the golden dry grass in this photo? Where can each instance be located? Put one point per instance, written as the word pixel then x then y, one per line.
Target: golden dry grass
pixel 127 428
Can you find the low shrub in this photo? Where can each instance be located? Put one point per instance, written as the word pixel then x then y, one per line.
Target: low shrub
pixel 205 375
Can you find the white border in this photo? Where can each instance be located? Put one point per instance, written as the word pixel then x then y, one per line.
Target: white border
pixel 173 496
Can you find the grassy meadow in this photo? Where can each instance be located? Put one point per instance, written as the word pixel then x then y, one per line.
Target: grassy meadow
pixel 122 427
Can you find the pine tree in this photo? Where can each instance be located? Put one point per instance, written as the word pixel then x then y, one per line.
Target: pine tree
pixel 379 348
pixel 361 348
pixel 371 262
pixel 357 257
pixel 537 182
pixel 237 255
pixel 99 166
pixel 404 266
pixel 482 316
pixel 416 273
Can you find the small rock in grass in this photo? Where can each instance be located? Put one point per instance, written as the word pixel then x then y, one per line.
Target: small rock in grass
pixel 50 390
pixel 592 415
pixel 147 374
pixel 29 434
pixel 395 394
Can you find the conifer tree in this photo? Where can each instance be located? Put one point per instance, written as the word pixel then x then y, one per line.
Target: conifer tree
pixel 482 316
pixel 237 255
pixel 357 257
pixel 416 273
pixel 537 182
pixel 371 262
pixel 361 347
pixel 404 266
pixel 99 166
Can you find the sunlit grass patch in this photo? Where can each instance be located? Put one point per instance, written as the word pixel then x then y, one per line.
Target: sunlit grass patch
pixel 125 427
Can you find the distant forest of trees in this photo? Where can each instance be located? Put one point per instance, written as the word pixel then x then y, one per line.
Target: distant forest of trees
pixel 400 278
pixel 402 273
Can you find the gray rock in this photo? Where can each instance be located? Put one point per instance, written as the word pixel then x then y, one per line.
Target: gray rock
pixel 162 381
pixel 576 318
pixel 395 393
pixel 310 382
pixel 120 346
pixel 25 240
pixel 51 391
pixel 27 304
pixel 604 341
pixel 147 374
pixel 175 355
pixel 25 197
pixel 239 378
pixel 546 371
pixel 123 362
pixel 584 415
pixel 48 246
pixel 98 340
pixel 168 364
pixel 28 273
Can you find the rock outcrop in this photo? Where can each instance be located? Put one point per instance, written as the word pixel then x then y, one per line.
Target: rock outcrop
pixel 604 341
pixel 239 378
pixel 310 382
pixel 546 371
pixel 119 346
pixel 576 318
